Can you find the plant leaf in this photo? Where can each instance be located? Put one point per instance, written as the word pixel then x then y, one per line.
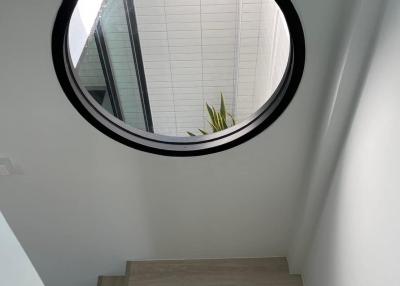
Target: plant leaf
pixel 233 119
pixel 203 132
pixel 224 123
pixel 213 127
pixel 217 119
pixel 211 113
pixel 221 122
pixel 222 108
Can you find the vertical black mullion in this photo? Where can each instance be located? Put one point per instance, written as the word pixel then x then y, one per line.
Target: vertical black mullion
pixel 138 59
pixel 107 71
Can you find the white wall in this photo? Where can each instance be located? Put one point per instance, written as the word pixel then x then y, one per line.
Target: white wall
pixel 15 267
pixel 189 59
pixel 85 204
pixel 356 242
pixel 264 46
pixel 353 58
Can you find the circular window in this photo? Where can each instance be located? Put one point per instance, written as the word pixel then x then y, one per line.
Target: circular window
pixel 179 78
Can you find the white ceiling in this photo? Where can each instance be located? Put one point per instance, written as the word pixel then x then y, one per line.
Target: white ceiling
pixel 84 204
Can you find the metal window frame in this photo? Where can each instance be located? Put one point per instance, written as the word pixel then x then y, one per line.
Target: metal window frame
pixel 102 50
pixel 130 13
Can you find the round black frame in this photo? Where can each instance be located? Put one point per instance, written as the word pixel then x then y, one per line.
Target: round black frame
pixel 179 146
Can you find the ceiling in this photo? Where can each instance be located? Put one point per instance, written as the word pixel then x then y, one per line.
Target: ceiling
pixel 82 203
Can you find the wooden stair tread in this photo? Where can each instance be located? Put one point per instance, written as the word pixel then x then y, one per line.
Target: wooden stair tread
pixel 112 281
pixel 218 280
pixel 269 265
pixel 206 272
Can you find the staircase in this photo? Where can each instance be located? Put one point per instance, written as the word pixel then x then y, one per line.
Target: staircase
pixel 216 272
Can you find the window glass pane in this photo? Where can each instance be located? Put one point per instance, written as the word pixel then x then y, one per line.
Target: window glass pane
pixel 91 76
pixel 115 31
pixel 180 68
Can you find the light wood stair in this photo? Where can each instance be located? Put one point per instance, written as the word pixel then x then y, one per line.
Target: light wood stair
pixel 206 272
pixel 112 281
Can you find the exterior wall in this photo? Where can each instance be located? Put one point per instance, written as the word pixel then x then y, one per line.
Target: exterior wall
pixel 271 59
pixel 115 30
pixel 89 68
pixel 193 51
pixel 116 35
pixel 189 58
pixel 196 49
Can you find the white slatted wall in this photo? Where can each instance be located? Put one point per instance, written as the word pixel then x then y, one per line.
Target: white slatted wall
pixel 195 49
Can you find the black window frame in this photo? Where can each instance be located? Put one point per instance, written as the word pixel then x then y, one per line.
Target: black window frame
pixel 108 74
pixel 130 14
pixel 179 146
pixel 106 64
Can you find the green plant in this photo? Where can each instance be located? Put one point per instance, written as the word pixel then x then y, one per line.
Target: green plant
pixel 218 119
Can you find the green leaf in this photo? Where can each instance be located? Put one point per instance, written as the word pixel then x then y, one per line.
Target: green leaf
pixel 203 132
pixel 214 128
pixel 217 120
pixel 191 134
pixel 211 113
pixel 221 122
pixel 224 124
pixel 233 119
pixel 222 108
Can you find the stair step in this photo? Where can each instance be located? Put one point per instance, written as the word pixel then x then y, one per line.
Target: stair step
pixel 274 265
pixel 112 281
pixel 222 280
pixel 212 272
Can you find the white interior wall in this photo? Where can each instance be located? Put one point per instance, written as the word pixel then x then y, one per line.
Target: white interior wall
pixel 356 242
pixel 84 204
pixel 15 267
pixel 352 61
